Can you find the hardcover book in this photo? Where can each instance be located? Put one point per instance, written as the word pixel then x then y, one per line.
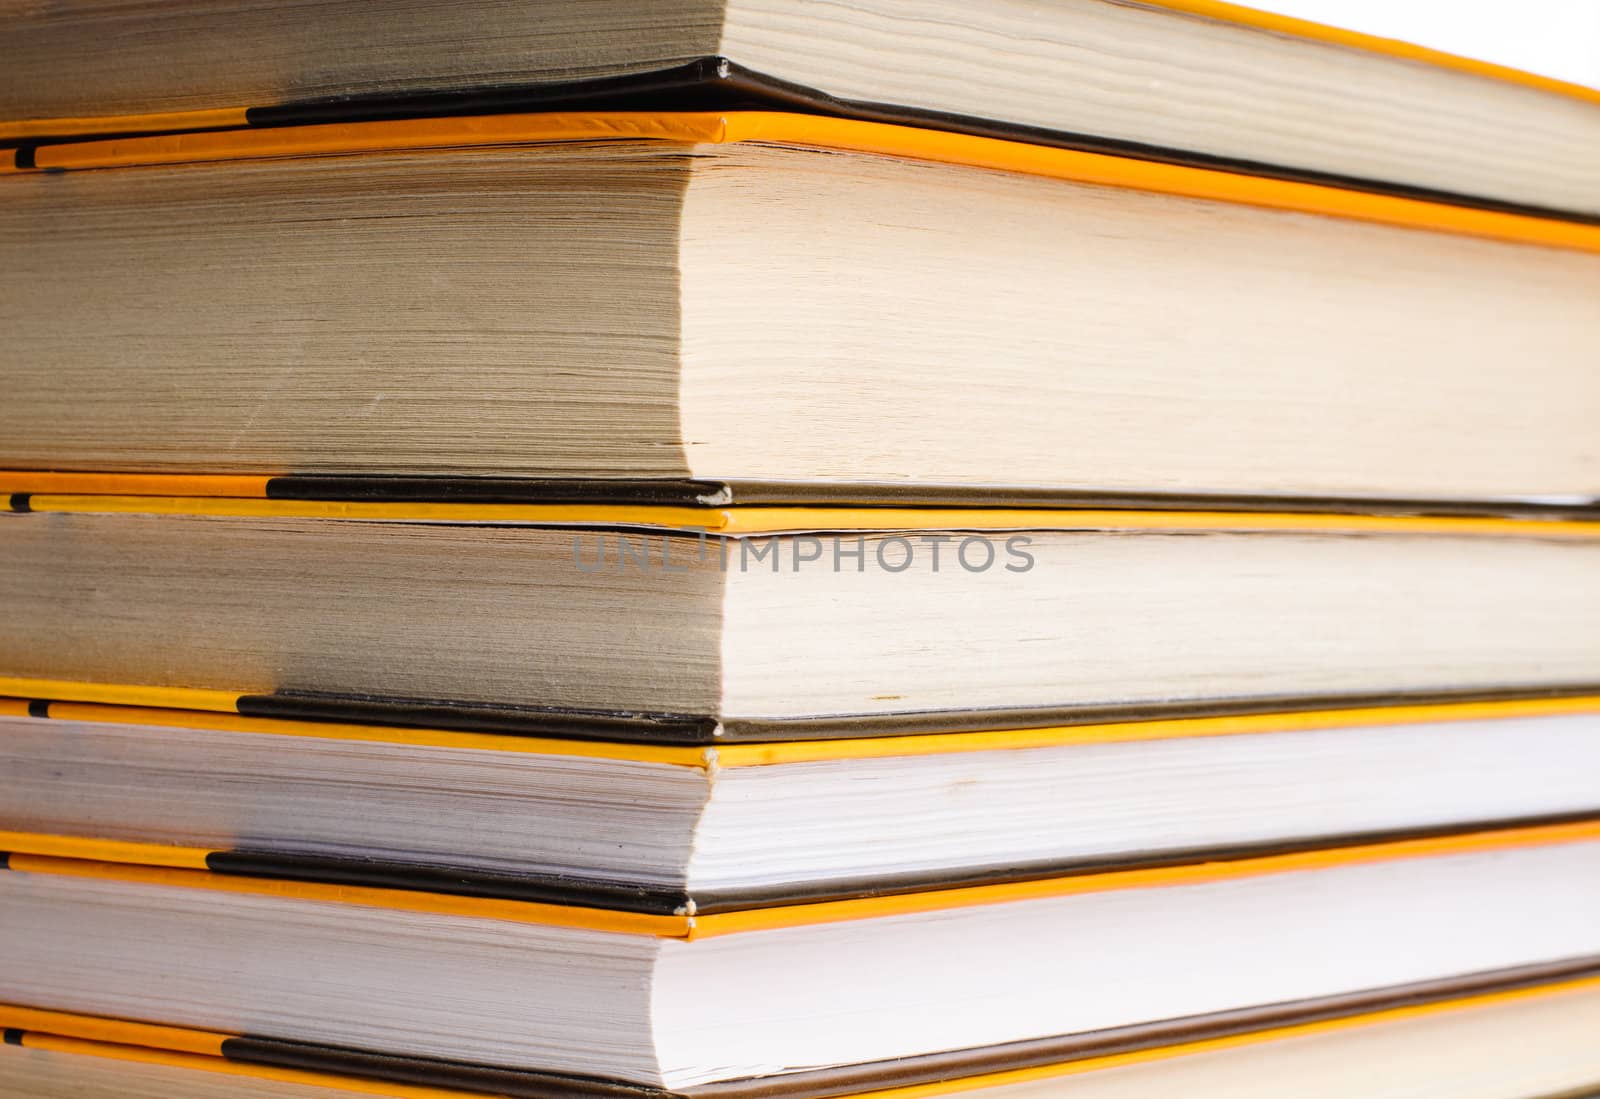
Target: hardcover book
pixel 1526 1035
pixel 701 626
pixel 764 308
pixel 711 828
pixel 1186 80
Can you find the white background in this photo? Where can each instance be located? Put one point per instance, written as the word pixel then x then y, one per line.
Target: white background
pixel 1559 38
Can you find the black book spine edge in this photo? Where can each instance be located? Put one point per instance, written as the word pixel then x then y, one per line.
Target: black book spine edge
pixel 673 492
pixel 719 83
pixel 554 889
pixel 700 730
pixel 385 488
pixel 473 717
pixel 702 84
pixel 617 896
pixel 705 730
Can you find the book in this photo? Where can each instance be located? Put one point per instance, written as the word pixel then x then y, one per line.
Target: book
pixel 666 829
pixel 687 999
pixel 1524 1038
pixel 708 625
pixel 766 308
pixel 1192 80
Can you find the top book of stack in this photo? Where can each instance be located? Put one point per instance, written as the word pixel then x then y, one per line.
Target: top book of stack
pixel 1226 255
pixel 1186 80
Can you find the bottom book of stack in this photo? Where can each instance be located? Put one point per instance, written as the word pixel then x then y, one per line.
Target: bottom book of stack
pixel 1529 1038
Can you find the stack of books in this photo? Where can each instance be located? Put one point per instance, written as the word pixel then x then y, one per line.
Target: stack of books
pixel 742 549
